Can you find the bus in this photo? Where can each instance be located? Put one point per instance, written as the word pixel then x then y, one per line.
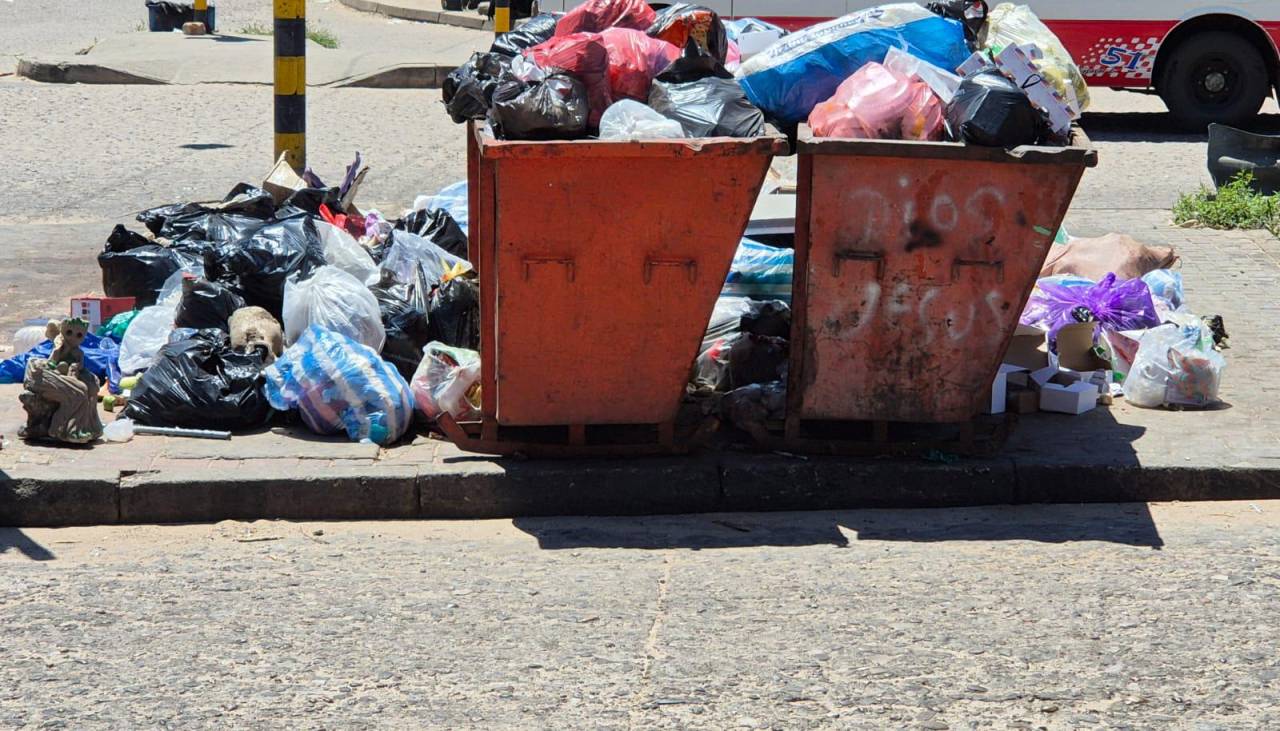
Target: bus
pixel 1209 62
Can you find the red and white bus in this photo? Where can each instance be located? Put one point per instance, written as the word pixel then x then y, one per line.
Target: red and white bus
pixel 1210 62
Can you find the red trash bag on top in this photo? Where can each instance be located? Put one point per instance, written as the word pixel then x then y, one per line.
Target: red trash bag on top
pixel 876 103
pixel 584 57
pixel 594 16
pixel 634 59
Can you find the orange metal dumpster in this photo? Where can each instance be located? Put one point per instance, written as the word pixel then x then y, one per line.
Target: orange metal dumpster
pixel 600 263
pixel 913 263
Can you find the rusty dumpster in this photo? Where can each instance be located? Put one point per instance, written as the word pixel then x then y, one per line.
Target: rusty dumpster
pixel 913 263
pixel 600 263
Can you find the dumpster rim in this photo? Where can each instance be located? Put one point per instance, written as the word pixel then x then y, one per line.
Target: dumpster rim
pixel 1080 152
pixel 772 142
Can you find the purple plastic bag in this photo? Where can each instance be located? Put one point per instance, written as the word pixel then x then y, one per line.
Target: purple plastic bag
pixel 1116 307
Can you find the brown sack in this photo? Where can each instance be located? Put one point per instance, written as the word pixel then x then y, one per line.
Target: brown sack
pixel 1096 258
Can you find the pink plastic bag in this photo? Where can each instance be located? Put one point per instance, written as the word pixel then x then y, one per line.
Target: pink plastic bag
pixel 634 59
pixel 584 57
pixel 594 16
pixel 876 103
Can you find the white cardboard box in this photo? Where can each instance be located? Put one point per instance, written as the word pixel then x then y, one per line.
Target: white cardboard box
pixel 1077 398
pixel 1000 388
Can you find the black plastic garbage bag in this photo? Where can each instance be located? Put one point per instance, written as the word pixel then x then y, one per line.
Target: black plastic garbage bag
pixel 469 89
pixel 681 23
pixel 991 110
pixel 131 268
pixel 741 360
pixel 404 317
pixel 538 30
pixel 454 316
pixel 708 107
pixel 201 383
pixel 122 239
pixel 244 207
pixel 972 14
pixel 438 227
pixel 740 315
pixel 309 200
pixel 206 304
pixel 554 109
pixel 258 265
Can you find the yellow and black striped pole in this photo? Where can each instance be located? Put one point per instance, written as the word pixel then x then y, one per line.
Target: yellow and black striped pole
pixel 501 17
pixel 291 81
pixel 202 14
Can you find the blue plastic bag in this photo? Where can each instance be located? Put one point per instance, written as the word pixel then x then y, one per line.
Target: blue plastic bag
pixel 454 199
pixel 788 79
pixel 338 384
pixel 101 356
pixel 1166 286
pixel 760 272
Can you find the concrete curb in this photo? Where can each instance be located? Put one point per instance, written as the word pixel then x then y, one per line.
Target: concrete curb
pixel 469 489
pixel 443 17
pixel 404 76
pixel 79 73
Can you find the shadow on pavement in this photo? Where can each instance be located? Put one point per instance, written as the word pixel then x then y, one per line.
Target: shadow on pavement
pixel 1157 127
pixel 15 538
pixel 1127 524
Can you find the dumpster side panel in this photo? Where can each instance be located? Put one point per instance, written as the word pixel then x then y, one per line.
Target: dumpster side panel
pixel 917 272
pixel 606 279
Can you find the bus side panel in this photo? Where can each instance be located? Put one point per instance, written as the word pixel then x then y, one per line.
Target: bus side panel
pixel 1118 53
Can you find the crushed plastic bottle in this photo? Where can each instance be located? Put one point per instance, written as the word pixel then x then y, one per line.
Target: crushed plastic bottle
pixel 120 430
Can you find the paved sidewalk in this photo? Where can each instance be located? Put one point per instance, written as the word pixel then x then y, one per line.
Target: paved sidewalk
pixel 425 11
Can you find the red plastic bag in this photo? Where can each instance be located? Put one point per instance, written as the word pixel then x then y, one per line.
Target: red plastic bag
pixel 594 16
pixel 584 57
pixel 634 59
pixel 876 103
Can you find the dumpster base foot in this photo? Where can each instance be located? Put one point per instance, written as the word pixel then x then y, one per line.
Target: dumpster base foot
pixel 981 437
pixel 577 440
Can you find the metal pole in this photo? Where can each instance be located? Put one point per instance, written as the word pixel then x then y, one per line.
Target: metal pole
pixel 501 17
pixel 291 81
pixel 202 14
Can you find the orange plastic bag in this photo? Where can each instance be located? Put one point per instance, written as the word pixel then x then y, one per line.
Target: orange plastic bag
pixel 876 103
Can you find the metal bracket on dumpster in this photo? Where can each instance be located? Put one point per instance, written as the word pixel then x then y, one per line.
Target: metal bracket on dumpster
pixel 566 261
pixel 690 265
pixel 998 265
pixel 854 255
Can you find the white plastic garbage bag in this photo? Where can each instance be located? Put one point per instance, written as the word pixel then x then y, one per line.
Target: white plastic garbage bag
pixel 1175 366
pixel 27 338
pixel 447 379
pixel 344 252
pixel 336 301
pixel 149 331
pixel 631 120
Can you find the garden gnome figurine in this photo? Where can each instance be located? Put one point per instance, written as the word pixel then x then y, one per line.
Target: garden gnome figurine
pixel 60 395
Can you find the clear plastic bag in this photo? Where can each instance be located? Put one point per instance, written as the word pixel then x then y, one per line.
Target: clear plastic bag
pixel 149 331
pixel 631 120
pixel 335 301
pixel 407 252
pixel 940 81
pixel 1174 367
pixel 344 252
pixel 447 380
pixel 28 337
pixel 760 272
pixel 452 198
pixel 877 103
pixel 1017 25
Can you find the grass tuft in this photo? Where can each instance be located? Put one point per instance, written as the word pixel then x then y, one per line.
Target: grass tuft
pixel 1236 205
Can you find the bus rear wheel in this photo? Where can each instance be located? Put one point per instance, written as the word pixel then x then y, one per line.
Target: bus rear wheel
pixel 1214 77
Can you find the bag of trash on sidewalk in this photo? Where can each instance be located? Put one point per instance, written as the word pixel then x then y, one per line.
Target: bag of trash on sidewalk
pixel 1115 305
pixel 788 79
pixel 469 89
pixel 1017 25
pixel 344 252
pixel 878 104
pixel 447 380
pixel 594 16
pixel 407 252
pixel 740 360
pixel 553 109
pixel 753 406
pixel 682 22
pixel 29 337
pixel 259 265
pixel 1173 368
pixel 538 29
pixel 584 57
pixel 631 120
pixel 760 272
pixel 707 107
pixel 437 226
pixel 454 315
pixel 1094 258
pixel 134 266
pixel 201 383
pixel 206 304
pixel 991 110
pixel 149 331
pixel 339 385
pixel 634 60
pixel 404 317
pixel 336 301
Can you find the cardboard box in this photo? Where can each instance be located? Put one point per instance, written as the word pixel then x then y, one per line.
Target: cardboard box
pixel 97 310
pixel 1075 348
pixel 1023 400
pixel 1029 348
pixel 1000 388
pixel 1077 398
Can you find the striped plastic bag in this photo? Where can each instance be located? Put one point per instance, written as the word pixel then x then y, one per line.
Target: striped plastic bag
pixel 339 385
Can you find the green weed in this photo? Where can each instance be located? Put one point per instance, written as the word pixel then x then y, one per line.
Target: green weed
pixel 317 34
pixel 1235 205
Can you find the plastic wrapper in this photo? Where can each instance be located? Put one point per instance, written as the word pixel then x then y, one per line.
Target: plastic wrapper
pixel 201 383
pixel 335 301
pixel 1174 368
pixel 734 315
pixel 943 83
pixel 206 304
pixel 344 252
pixel 1017 25
pixel 682 22
pixel 991 110
pixel 584 57
pixel 1115 305
pixel 594 16
pixel 407 252
pixel 877 103
pixel 788 79
pixel 404 317
pixel 631 120
pixel 29 337
pixel 469 89
pixel 454 315
pixel 101 358
pixel 634 60
pixel 760 272
pixel 1166 290
pixel 447 380
pixel 553 109
pixel 259 265
pixel 536 30
pixel 708 107
pixel 438 227
pixel 740 360
pixel 340 386
pixel 117 326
